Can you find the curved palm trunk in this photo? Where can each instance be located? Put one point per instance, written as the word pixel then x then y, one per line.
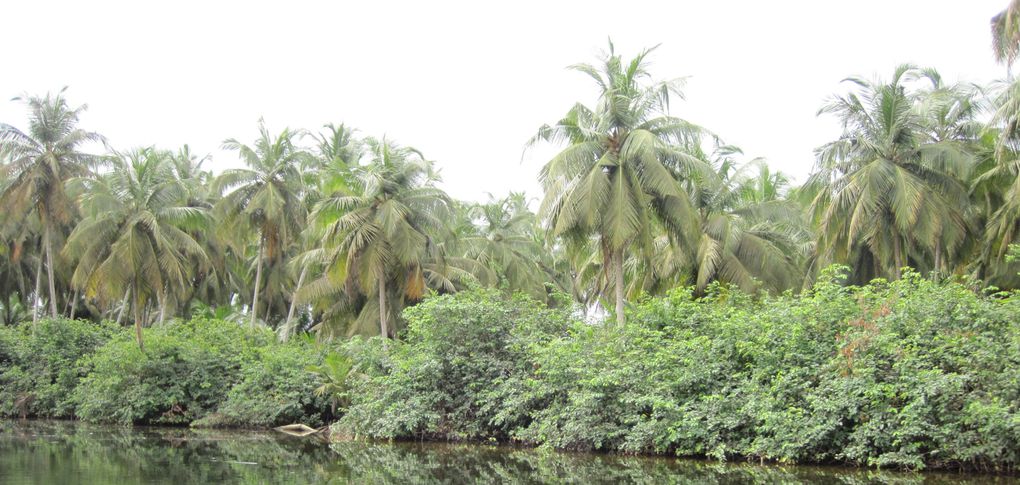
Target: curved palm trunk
pixel 49 270
pixel 258 282
pixel 621 319
pixel 293 301
pixel 383 329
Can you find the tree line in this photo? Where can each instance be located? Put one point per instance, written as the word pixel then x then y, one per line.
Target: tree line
pixel 336 233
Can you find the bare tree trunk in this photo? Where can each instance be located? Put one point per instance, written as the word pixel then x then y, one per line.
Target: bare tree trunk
pixel 383 329
pixel 258 281
pixel 49 269
pixel 293 301
pixel 37 297
pixel 621 319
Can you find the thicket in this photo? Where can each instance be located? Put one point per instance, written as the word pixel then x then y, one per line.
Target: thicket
pixel 911 373
pixel 202 372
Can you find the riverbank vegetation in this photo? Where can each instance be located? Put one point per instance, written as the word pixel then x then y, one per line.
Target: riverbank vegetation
pixel 909 373
pixel 669 295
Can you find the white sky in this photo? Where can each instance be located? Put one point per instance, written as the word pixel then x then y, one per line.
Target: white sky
pixel 468 83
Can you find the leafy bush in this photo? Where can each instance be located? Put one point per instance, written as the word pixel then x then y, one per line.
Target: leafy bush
pixel 39 366
pixel 463 365
pixel 275 389
pixel 908 374
pixel 186 372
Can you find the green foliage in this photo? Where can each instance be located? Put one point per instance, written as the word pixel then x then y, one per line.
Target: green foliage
pixel 202 371
pixel 335 373
pixel 185 372
pixel 39 365
pixel 463 364
pixel 275 389
pixel 910 374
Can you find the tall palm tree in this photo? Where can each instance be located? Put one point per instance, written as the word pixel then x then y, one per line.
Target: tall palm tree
pixel 379 235
pixel 619 170
pixel 266 197
pixel 39 162
pixel 135 236
pixel 887 194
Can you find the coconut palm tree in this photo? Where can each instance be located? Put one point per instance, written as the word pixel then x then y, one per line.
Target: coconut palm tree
pixel 266 197
pixel 1006 33
pixel 751 235
pixel 135 236
pixel 887 193
pixel 380 237
pixel 39 162
pixel 502 236
pixel 618 175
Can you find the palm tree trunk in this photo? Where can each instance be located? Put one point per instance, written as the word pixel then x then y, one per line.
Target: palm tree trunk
pixel 74 299
pixel 258 281
pixel 162 307
pixel 621 319
pixel 49 270
pixel 293 301
pixel 138 321
pixel 897 257
pixel 938 259
pixel 37 297
pixel 120 314
pixel 383 330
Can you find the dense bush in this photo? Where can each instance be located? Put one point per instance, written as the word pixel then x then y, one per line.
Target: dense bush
pixel 911 373
pixel 204 372
pixel 185 372
pixel 463 366
pixel 39 365
pixel 275 389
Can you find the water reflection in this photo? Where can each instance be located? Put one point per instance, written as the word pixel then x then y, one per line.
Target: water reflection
pixel 62 452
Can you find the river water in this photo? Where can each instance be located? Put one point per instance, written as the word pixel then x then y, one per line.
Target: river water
pixel 54 452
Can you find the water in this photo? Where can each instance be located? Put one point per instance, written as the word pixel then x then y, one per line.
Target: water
pixel 46 452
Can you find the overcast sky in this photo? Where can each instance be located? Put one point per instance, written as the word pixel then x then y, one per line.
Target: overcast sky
pixel 468 83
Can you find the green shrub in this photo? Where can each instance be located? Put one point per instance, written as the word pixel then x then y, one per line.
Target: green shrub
pixel 186 372
pixel 276 389
pixel 906 374
pixel 39 365
pixel 461 373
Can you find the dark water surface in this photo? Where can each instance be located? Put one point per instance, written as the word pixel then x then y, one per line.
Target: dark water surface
pixel 48 452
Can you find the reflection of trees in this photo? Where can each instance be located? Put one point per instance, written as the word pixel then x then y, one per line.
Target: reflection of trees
pixel 65 452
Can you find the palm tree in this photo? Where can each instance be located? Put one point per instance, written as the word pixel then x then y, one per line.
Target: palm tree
pixel 502 236
pixel 750 234
pixel 379 235
pixel 619 170
pixel 39 162
pixel 1006 34
pixel 266 196
pixel 887 193
pixel 134 238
